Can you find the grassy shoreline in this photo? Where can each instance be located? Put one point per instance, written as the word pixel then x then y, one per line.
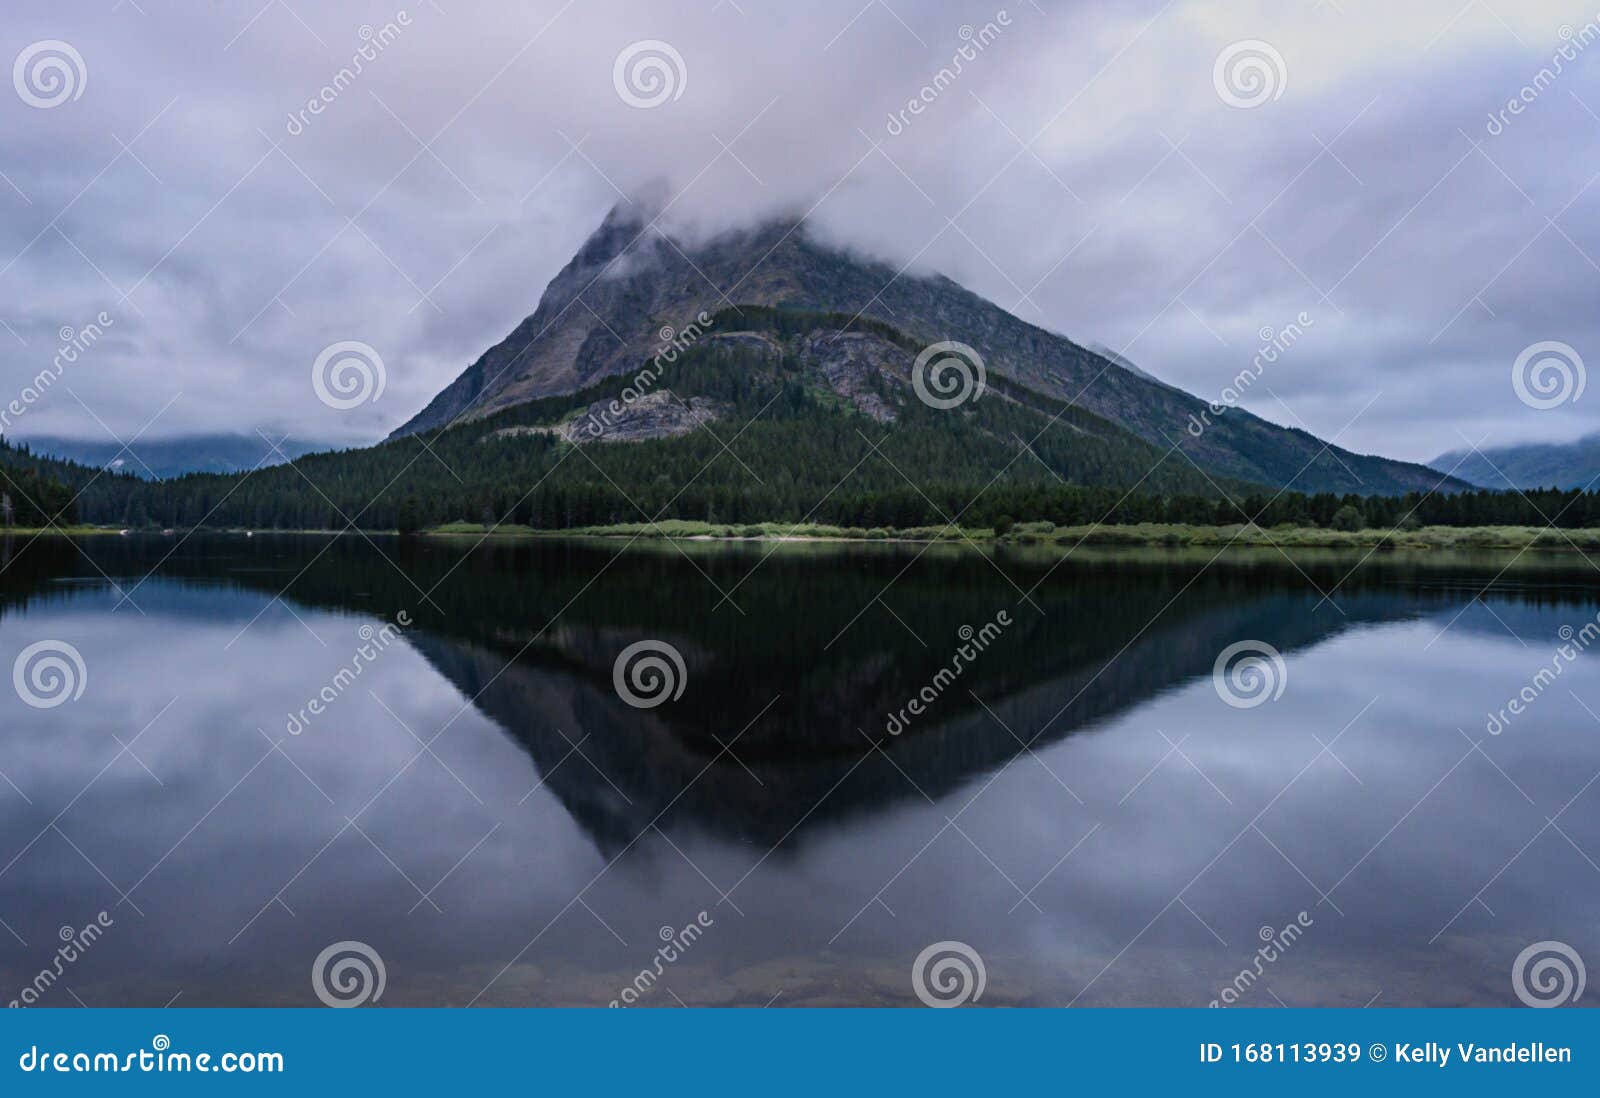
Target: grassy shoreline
pixel 1031 534
pixel 1046 535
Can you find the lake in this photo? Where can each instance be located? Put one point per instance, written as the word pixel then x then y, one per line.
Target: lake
pixel 811 764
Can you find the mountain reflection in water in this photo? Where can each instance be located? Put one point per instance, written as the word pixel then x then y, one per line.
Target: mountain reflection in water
pixel 1078 804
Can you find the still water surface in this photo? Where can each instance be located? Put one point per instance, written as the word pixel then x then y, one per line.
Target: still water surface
pixel 1079 805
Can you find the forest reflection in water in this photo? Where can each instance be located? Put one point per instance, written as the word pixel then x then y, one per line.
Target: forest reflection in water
pixel 1079 804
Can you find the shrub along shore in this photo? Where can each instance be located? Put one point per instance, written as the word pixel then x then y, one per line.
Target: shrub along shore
pixel 1033 534
pixel 1047 534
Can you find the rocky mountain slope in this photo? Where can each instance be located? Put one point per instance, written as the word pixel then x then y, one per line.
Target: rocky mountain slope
pixel 607 311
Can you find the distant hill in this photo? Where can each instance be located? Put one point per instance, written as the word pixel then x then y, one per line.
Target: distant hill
pixel 163 459
pixel 1532 465
pixel 605 312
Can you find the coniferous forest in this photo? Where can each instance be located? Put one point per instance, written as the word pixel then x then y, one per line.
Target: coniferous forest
pixel 784 447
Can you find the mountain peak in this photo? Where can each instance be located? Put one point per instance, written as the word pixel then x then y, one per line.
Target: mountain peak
pixel 604 313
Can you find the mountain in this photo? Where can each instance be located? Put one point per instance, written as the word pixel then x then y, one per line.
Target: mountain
pixel 1125 362
pixel 605 313
pixel 1528 466
pixel 165 458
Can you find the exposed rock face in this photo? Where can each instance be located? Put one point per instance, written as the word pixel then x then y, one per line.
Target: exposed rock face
pixel 654 415
pixel 749 341
pixel 857 365
pixel 603 313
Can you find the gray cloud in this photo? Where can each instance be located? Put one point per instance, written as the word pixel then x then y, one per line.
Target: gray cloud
pixel 1081 170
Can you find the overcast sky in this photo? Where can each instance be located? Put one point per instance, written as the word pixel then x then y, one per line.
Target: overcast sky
pixel 1086 170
